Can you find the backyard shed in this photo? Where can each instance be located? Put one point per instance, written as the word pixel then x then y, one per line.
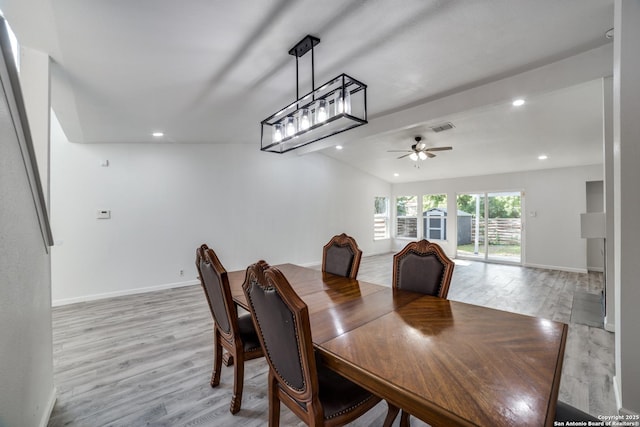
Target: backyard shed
pixel 435 225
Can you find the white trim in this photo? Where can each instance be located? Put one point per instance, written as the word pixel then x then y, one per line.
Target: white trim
pixel 616 392
pixel 556 267
pixel 46 415
pixel 86 298
pixel 596 269
pixel 310 264
pixel 621 409
pixel 319 263
pixel 609 326
pixel 376 253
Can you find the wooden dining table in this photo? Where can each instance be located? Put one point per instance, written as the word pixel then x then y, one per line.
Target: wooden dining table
pixel 445 362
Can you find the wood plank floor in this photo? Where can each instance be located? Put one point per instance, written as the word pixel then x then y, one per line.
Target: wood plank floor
pixel 146 359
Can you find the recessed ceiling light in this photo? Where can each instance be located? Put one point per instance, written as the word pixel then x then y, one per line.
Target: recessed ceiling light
pixel 542 157
pixel 338 147
pixel 158 134
pixel 518 102
pixel 396 174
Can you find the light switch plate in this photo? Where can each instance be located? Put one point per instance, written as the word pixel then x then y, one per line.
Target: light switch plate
pixel 103 214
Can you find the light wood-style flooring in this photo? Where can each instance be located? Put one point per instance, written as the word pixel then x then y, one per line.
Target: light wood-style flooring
pixel 146 359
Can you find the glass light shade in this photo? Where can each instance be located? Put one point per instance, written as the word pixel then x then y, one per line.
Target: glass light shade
pixel 342 101
pixel 290 126
pixel 414 157
pixel 304 122
pixel 322 112
pixel 277 132
pixel 422 155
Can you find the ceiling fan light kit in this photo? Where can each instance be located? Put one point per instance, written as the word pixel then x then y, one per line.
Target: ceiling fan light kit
pixel 420 151
pixel 334 107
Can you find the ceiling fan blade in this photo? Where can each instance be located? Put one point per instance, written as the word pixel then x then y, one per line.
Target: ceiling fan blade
pixel 439 149
pixel 402 157
pixel 429 155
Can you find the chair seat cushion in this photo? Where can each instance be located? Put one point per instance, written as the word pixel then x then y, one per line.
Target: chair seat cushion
pixel 339 395
pixel 248 333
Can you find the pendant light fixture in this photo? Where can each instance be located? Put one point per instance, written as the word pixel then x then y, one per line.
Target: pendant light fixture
pixel 336 106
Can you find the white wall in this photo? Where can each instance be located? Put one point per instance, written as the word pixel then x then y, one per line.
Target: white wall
pixel 626 152
pixel 557 196
pixel 27 392
pixel 167 199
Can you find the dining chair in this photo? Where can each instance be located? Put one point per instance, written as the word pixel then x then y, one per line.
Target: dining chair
pixel 566 412
pixel 341 256
pixel 297 376
pixel 234 333
pixel 422 267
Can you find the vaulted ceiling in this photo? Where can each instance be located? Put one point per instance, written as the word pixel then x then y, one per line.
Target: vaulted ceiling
pixel 208 71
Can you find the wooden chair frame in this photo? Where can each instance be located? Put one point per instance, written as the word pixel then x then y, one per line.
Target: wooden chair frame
pixel 229 340
pixel 343 240
pixel 305 403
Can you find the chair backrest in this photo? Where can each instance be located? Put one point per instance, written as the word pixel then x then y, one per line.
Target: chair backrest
pixel 341 256
pixel 215 284
pixel 423 267
pixel 281 319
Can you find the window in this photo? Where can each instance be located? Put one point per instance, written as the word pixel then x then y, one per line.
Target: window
pixel 407 216
pixel 434 216
pixel 381 218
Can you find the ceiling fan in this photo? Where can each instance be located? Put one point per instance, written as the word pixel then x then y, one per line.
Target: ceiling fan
pixel 420 151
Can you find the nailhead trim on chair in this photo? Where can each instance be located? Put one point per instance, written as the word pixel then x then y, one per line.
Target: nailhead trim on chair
pixel 350 408
pixel 422 254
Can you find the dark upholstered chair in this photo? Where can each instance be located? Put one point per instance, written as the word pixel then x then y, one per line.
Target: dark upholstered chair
pixel 297 378
pixel 341 256
pixel 422 267
pixel 234 333
pixel 566 412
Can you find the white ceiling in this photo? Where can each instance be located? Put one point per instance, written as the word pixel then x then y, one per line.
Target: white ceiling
pixel 208 71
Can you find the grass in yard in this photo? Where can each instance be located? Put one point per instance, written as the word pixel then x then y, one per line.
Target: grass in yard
pixel 499 250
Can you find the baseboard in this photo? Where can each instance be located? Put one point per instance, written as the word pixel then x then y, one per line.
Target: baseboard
pixel 46 415
pixel 309 264
pixel 616 393
pixel 621 409
pixel 319 262
pixel 87 298
pixel 376 253
pixel 609 326
pixel 556 267
pixel 596 269
pixel 628 413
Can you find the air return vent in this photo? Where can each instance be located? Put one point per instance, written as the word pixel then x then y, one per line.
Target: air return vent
pixel 443 127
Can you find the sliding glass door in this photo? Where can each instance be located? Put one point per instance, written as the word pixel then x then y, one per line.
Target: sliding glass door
pixel 490 226
pixel 471 225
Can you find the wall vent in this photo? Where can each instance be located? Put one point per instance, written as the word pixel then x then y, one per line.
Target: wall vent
pixel 443 127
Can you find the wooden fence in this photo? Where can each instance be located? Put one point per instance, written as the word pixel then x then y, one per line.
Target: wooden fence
pixel 501 231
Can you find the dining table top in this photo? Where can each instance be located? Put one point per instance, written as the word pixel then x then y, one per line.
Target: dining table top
pixel 445 362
